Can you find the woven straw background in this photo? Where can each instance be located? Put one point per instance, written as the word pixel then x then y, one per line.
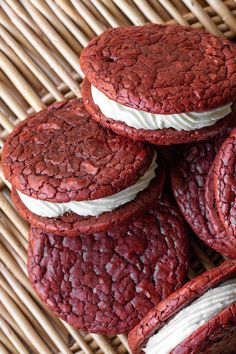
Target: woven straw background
pixel 40 43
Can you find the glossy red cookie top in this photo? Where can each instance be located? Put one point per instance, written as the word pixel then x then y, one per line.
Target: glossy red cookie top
pixel 162 69
pixel 60 154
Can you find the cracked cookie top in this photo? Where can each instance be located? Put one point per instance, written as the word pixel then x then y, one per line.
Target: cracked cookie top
pixel 162 69
pixel 107 282
pixel 60 155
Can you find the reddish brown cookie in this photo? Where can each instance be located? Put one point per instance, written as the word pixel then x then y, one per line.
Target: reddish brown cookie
pixel 158 83
pixel 189 176
pixel 107 282
pixel 216 334
pixel 60 155
pixel 70 224
pixel 167 136
pixel 70 175
pixel 225 182
pixel 162 69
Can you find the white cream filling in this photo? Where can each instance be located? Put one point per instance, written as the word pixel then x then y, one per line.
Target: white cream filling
pixel 143 120
pixel 191 318
pixel 90 207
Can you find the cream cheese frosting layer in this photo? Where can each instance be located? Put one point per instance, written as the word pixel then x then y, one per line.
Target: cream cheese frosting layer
pixel 144 120
pixel 90 207
pixel 191 318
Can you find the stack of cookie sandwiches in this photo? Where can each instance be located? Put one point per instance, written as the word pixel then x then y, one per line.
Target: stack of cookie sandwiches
pixel 108 243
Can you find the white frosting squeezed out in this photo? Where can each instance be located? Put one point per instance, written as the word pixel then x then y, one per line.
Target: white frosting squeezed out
pixel 90 207
pixel 191 318
pixel 144 120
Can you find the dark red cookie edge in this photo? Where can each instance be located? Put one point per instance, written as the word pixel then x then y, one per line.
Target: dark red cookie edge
pixel 221 242
pixel 159 137
pixel 222 162
pixel 166 309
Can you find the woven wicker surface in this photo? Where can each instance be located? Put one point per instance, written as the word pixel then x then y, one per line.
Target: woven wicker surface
pixel 40 42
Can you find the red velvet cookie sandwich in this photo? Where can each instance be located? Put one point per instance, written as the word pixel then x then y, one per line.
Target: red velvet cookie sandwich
pixel 224 184
pixel 107 282
pixel 192 185
pixel 198 318
pixel 71 175
pixel 163 84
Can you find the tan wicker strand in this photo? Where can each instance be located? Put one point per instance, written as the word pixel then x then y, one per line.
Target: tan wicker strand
pixel 77 33
pixel 8 259
pixel 15 244
pixel 35 310
pixel 78 338
pixel 20 264
pixel 11 101
pixel 5 21
pixel 40 330
pixel 103 343
pixel 97 27
pixel 3 349
pixel 52 18
pixel 113 22
pixel 10 320
pixel 133 13
pixel 94 11
pixel 7 344
pixel 124 340
pixel 11 213
pixel 53 36
pixel 13 337
pixel 5 122
pixel 12 56
pixel 178 17
pixel 12 230
pixel 21 84
pixel 49 85
pixel 19 9
pixel 116 12
pixel 149 12
pixel 202 16
pixel 76 17
pixel 53 61
pixel 224 12
pixel 21 320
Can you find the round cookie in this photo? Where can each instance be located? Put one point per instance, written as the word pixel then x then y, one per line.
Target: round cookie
pixel 198 318
pixel 224 183
pixel 164 84
pixel 107 282
pixel 69 174
pixel 193 194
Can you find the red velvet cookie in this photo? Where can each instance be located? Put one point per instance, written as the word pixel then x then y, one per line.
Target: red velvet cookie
pixel 198 318
pixel 193 193
pixel 164 84
pixel 107 282
pixel 69 174
pixel 224 183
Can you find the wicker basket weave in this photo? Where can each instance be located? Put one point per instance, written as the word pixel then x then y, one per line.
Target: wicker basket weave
pixel 40 42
